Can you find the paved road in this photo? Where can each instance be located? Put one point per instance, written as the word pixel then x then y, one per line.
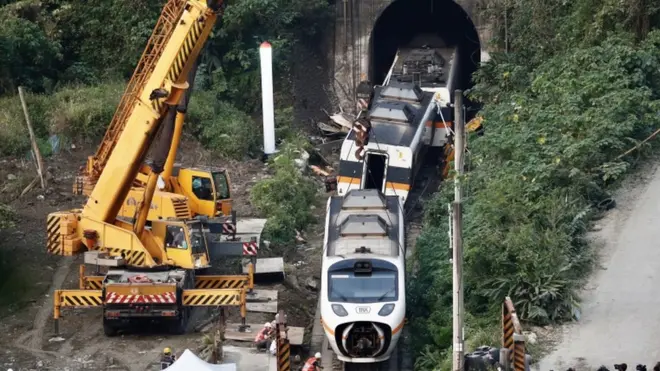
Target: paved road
pixel 621 306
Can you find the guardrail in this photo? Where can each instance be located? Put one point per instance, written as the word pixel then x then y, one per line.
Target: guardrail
pixel 513 340
pixel 511 356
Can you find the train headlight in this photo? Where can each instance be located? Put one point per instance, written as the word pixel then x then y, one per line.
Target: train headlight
pixel 339 310
pixel 386 310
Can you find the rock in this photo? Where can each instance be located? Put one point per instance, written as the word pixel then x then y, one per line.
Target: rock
pixel 41 197
pixel 299 237
pixel 530 337
pixel 11 177
pixel 56 339
pixel 596 228
pixel 291 282
pixel 312 284
pixel 40 364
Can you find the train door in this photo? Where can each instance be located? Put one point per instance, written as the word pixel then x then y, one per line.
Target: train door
pixel 375 171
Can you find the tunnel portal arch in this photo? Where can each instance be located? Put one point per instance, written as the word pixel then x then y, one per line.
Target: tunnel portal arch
pixel 401 20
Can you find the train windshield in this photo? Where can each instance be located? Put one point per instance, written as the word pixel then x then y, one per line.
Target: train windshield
pixel 380 286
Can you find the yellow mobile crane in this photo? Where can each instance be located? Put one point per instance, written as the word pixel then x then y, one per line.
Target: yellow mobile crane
pixel 153 271
pixel 204 191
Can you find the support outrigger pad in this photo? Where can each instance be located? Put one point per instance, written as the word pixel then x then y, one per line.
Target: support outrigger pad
pixel 266 269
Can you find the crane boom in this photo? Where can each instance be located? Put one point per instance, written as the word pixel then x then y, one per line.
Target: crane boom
pixel 171 51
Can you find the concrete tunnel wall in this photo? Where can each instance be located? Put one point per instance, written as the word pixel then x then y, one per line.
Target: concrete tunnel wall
pixel 368 33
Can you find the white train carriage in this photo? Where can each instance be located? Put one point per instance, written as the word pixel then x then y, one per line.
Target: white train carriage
pixel 408 114
pixel 363 295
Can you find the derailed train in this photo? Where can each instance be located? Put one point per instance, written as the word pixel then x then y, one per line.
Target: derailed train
pixel 363 298
pixel 409 114
pixel 363 295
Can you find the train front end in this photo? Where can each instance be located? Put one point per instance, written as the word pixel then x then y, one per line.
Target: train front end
pixel 363 307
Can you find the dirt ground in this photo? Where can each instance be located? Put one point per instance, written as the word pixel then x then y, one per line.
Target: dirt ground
pixel 29 341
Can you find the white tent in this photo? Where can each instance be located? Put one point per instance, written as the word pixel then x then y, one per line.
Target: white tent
pixel 189 361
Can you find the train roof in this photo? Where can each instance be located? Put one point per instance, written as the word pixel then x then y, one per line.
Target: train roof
pixel 364 217
pixel 427 66
pixel 396 113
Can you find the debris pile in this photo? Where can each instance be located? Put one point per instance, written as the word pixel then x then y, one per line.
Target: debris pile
pixel 340 123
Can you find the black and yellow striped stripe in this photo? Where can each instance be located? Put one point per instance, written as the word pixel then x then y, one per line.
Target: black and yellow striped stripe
pixel 519 355
pixel 53 236
pixel 283 355
pixel 132 257
pixel 182 57
pixel 79 298
pixel 92 282
pixel 507 330
pixel 186 49
pixel 206 298
pixel 221 282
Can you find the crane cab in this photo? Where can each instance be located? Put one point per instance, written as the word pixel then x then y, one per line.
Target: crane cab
pixel 183 242
pixel 208 190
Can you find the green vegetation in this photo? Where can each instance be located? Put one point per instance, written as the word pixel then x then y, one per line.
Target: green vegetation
pixel 7 217
pixel 77 112
pixel 286 198
pixel 75 59
pixel 579 86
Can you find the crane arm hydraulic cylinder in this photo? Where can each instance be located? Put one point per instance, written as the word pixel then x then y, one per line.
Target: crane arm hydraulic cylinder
pixel 178 125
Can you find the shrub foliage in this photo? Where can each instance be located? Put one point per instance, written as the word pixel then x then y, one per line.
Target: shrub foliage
pixel 286 198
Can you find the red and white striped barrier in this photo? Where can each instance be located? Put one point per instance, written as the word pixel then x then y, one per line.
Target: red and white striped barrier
pixel 228 228
pixel 165 298
pixel 250 248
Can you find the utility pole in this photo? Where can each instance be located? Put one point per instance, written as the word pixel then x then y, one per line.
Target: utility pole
pixel 457 229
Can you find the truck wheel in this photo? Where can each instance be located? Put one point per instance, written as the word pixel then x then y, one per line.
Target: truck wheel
pixel 178 326
pixel 109 329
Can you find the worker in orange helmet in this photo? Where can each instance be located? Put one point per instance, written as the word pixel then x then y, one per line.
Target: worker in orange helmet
pixel 262 339
pixel 313 363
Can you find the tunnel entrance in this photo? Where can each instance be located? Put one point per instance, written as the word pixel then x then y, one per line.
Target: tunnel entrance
pixel 402 24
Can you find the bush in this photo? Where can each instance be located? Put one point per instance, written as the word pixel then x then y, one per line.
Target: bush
pixel 550 153
pixel 286 198
pixel 102 40
pixel 221 127
pixel 81 113
pixel 27 56
pixel 7 217
pixel 232 55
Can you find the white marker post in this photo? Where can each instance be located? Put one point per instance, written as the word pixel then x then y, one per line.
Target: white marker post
pixel 266 54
